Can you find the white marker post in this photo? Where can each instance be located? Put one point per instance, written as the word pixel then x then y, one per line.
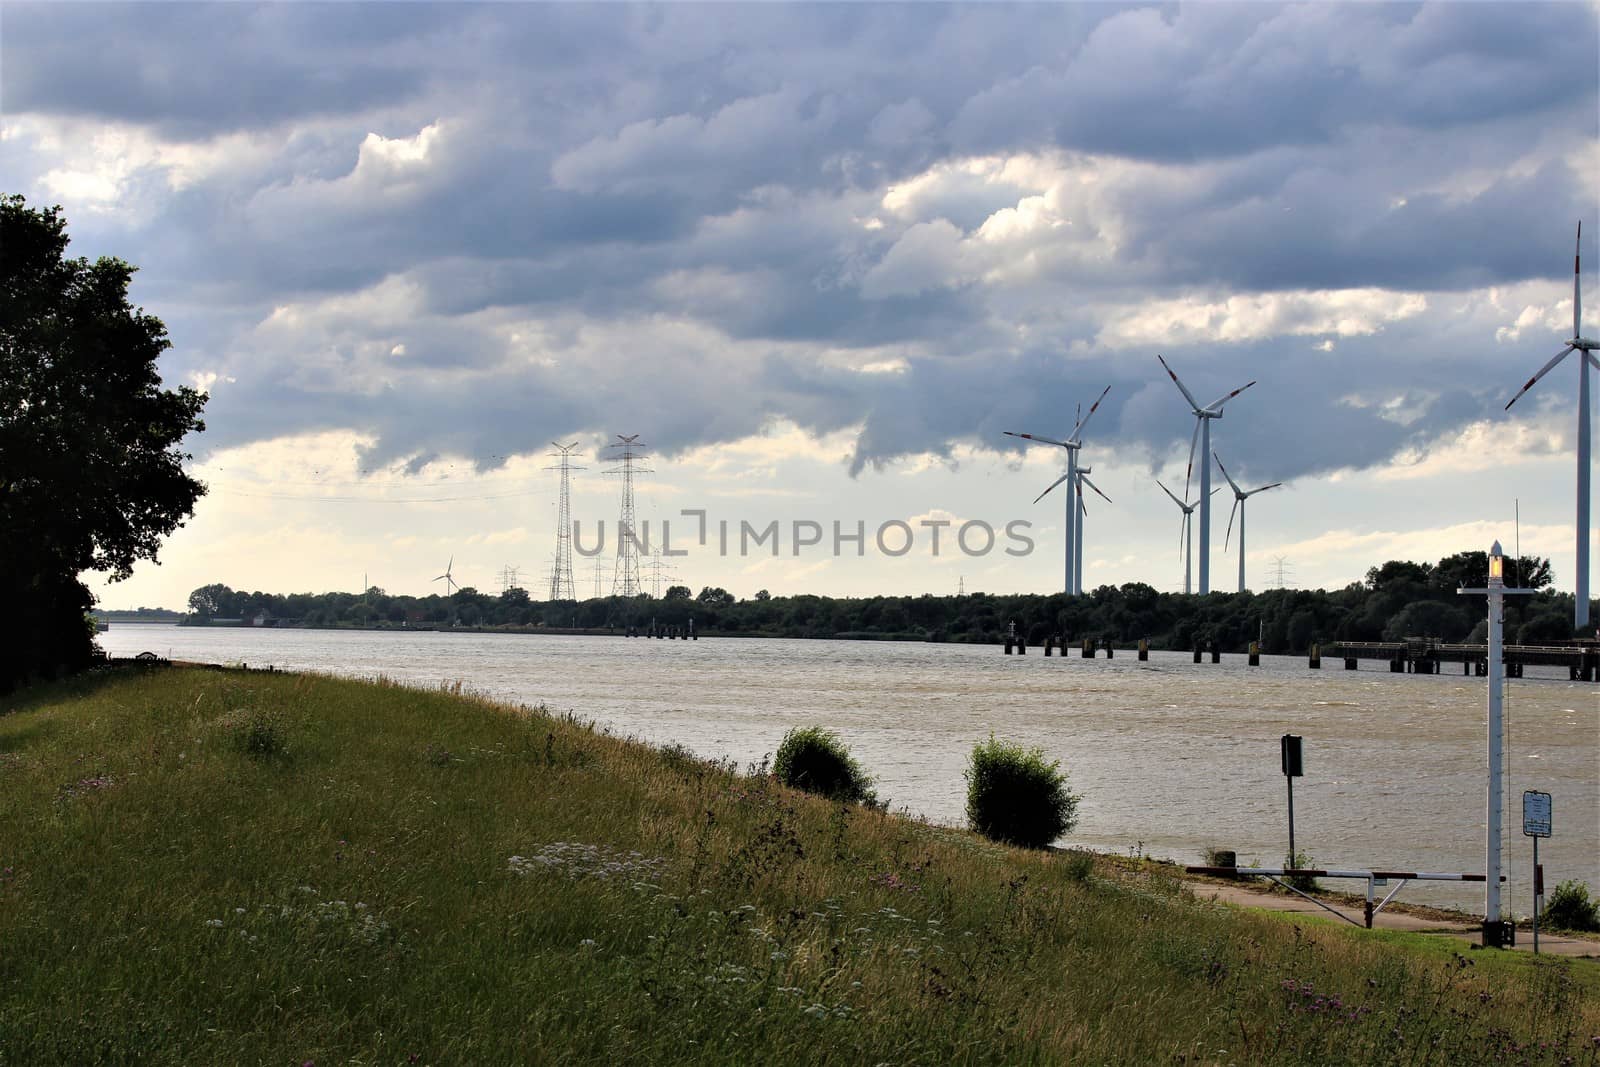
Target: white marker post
pixel 1494 931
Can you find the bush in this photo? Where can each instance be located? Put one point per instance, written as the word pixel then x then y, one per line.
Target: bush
pixel 815 760
pixel 1570 908
pixel 1304 882
pixel 257 733
pixel 1014 796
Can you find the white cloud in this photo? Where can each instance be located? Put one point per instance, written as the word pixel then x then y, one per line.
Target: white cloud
pixel 1255 316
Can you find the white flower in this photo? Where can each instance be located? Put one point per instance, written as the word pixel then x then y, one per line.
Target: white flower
pixel 213 922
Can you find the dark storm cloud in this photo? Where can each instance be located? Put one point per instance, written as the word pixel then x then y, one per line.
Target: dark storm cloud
pixel 687 205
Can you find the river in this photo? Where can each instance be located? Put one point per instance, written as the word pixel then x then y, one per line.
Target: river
pixel 1170 757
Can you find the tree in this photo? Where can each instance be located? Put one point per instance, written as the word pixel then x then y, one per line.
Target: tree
pixel 678 592
pixel 715 596
pixel 91 468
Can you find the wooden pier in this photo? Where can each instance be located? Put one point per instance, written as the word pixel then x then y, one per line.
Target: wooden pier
pixel 1424 656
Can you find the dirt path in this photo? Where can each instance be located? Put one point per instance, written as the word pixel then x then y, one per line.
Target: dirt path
pixel 1466 930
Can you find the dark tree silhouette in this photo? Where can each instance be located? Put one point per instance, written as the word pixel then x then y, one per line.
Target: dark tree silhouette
pixel 91 471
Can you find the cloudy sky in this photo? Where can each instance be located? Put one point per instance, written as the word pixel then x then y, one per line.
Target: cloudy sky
pixel 819 258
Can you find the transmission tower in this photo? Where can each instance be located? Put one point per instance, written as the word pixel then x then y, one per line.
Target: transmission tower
pixel 598 574
pixel 625 581
pixel 1282 572
pixel 562 584
pixel 659 572
pixel 509 575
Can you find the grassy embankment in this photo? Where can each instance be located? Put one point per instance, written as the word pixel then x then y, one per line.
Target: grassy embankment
pixel 396 876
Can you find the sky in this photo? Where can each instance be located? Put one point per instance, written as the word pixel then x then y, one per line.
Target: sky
pixel 820 258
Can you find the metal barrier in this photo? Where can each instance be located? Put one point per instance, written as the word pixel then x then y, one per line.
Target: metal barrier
pixel 1373 879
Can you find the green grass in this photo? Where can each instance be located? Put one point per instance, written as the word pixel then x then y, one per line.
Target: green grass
pixel 226 867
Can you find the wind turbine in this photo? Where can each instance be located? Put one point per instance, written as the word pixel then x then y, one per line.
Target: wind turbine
pixel 1073 442
pixel 1586 349
pixel 448 581
pixel 1077 541
pixel 1202 434
pixel 1185 535
pixel 1239 497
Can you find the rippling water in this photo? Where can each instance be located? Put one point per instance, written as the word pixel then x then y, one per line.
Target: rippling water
pixel 1170 757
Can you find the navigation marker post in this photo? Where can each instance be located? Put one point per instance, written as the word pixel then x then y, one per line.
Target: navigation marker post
pixel 1293 767
pixel 1536 824
pixel 1496 932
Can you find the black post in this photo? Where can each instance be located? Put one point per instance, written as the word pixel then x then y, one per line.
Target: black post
pixel 1293 767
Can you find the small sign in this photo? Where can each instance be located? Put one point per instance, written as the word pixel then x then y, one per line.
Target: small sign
pixel 1535 813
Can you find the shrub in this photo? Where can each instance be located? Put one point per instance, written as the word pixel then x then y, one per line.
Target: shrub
pixel 1016 797
pixel 815 760
pixel 1570 908
pixel 258 733
pixel 1079 865
pixel 1303 882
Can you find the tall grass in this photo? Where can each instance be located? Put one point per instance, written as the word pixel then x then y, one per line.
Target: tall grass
pixel 414 876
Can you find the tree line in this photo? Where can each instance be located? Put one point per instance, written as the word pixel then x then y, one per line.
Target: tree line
pixel 1396 600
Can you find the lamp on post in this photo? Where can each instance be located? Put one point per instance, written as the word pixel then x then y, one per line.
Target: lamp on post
pixel 1496 932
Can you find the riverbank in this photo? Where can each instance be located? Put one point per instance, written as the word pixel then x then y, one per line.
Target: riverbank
pixel 221 866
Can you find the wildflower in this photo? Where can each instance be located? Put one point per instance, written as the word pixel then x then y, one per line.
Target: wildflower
pixel 214 922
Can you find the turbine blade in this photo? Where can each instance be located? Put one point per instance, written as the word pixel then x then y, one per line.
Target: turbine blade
pixel 1096 488
pixel 1183 532
pixel 1216 405
pixel 1577 299
pixel 1236 502
pixel 1263 489
pixel 1593 361
pixel 1078 429
pixel 1053 484
pixel 1189 471
pixel 1546 369
pixel 1036 437
pixel 1224 470
pixel 1167 491
pixel 1181 388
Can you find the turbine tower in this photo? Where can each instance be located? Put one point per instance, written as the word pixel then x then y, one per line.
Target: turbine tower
pixel 1185 534
pixel 562 584
pixel 1202 434
pixel 450 584
pixel 1239 497
pixel 1586 358
pixel 625 581
pixel 1073 442
pixel 1077 540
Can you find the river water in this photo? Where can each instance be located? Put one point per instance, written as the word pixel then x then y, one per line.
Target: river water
pixel 1170 757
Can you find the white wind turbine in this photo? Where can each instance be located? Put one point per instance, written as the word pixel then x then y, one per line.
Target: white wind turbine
pixel 1202 434
pixel 1239 497
pixel 1077 540
pixel 448 581
pixel 1185 534
pixel 1586 358
pixel 1073 442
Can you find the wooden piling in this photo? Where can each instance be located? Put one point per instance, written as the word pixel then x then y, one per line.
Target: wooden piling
pixel 1216 653
pixel 1197 653
pixel 1088 648
pixel 1110 652
pixel 1144 649
pixel 1255 654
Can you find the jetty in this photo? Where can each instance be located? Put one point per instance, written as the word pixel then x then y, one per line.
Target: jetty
pixel 1427 656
